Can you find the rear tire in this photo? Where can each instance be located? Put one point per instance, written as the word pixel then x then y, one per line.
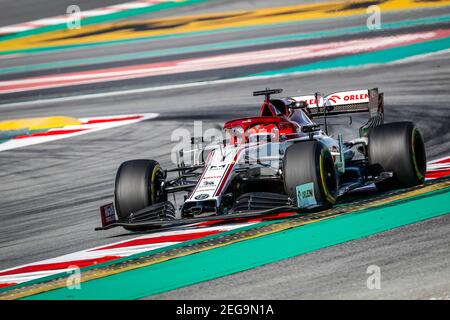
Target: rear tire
pixel 138 185
pixel 398 147
pixel 310 161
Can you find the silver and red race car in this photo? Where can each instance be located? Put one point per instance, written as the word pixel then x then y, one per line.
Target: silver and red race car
pixel 277 161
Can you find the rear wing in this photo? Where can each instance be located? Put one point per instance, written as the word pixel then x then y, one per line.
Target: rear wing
pixel 347 102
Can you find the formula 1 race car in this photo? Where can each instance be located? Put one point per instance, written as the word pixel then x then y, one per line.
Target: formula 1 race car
pixel 280 160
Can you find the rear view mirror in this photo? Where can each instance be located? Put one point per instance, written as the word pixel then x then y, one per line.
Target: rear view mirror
pixel 310 128
pixel 298 105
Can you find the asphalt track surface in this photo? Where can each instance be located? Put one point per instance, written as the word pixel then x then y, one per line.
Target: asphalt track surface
pixel 50 193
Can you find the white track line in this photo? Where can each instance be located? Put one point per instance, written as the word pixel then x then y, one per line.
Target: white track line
pixel 86 128
pixel 99 252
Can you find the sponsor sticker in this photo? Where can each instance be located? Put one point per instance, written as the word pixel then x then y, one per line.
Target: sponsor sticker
pixel 305 195
pixel 217 167
pixel 347 97
pixel 337 98
pixel 202 196
pixel 209 183
pixel 108 214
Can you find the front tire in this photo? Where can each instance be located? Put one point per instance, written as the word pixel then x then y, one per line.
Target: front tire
pixel 138 185
pixel 399 148
pixel 306 162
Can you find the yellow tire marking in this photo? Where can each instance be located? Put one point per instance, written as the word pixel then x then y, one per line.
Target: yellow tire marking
pixel 153 191
pixel 329 196
pixel 416 168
